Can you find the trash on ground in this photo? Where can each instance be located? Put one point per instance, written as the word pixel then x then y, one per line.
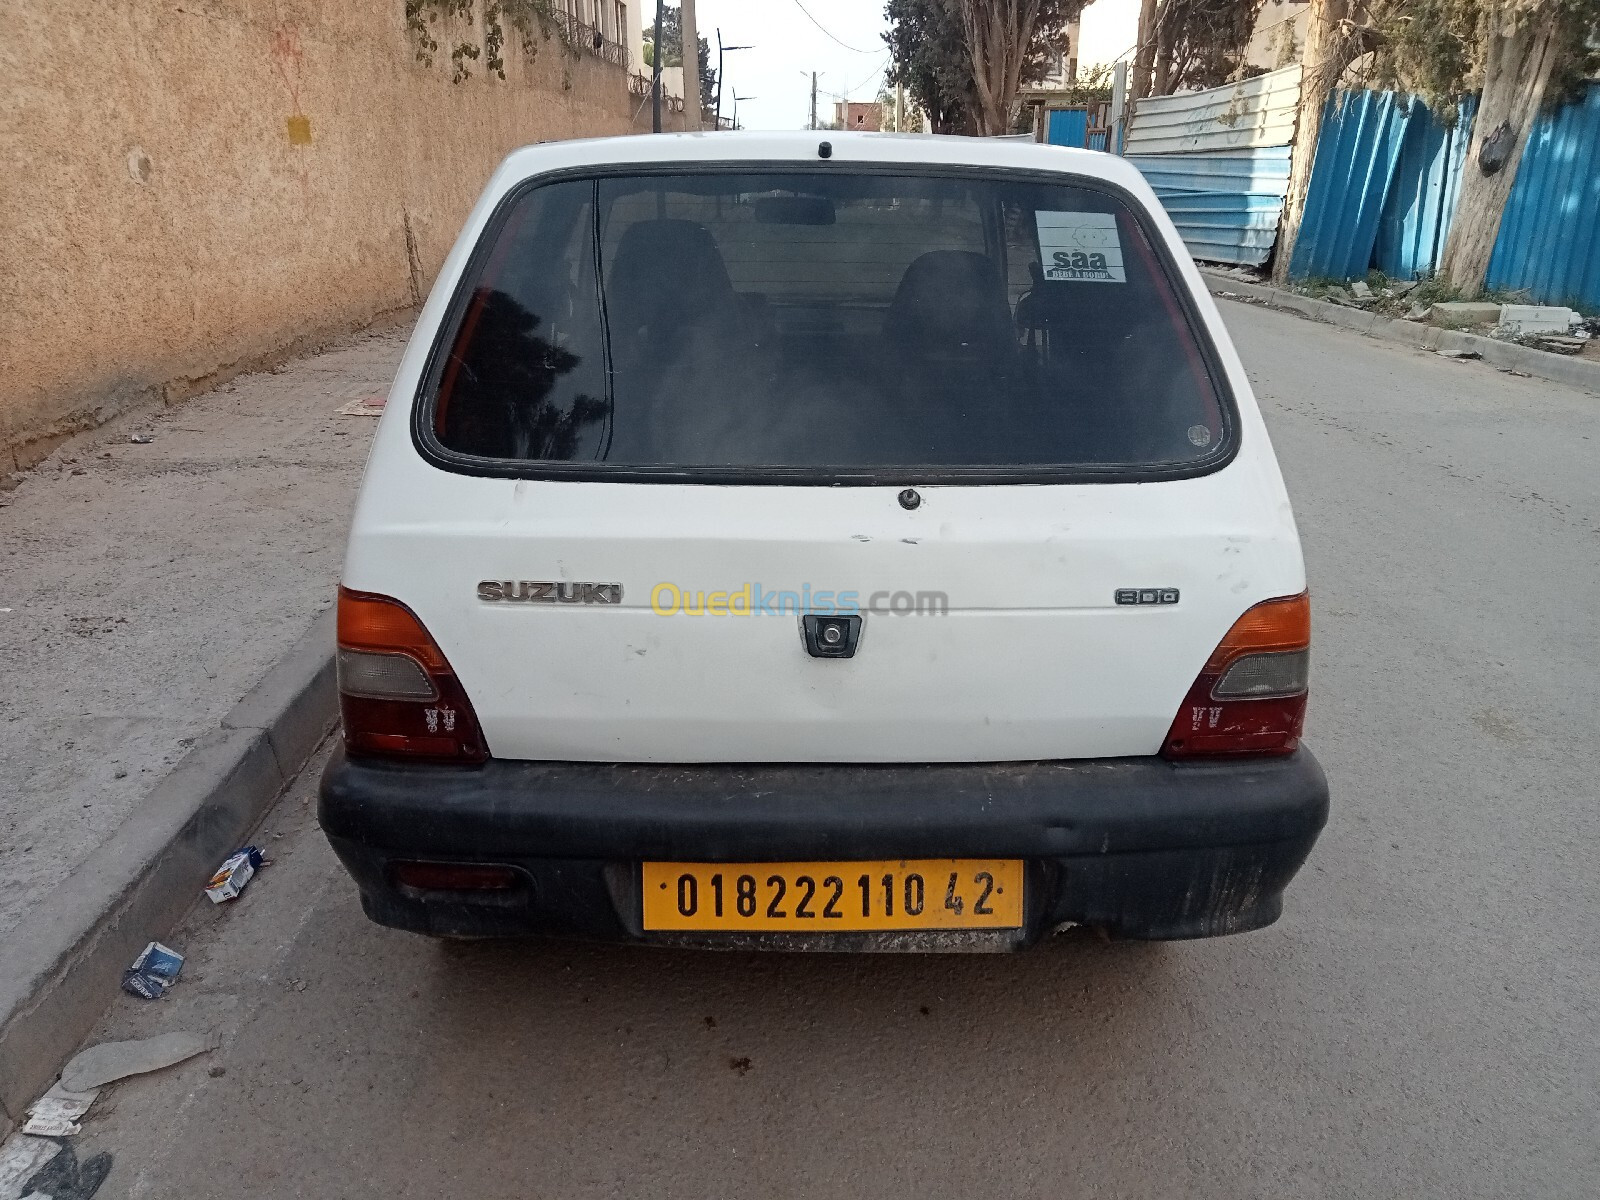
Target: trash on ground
pixel 64 1177
pixel 58 1111
pixel 232 876
pixel 141 439
pixel 1401 287
pixel 367 406
pixel 1460 354
pixel 1361 292
pixel 110 1061
pixel 153 972
pixel 20 1160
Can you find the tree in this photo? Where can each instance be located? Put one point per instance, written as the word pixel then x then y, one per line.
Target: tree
pixel 928 57
pixel 1008 41
pixel 1186 44
pixel 672 43
pixel 963 61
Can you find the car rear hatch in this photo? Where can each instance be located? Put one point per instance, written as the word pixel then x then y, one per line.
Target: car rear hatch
pixel 980 418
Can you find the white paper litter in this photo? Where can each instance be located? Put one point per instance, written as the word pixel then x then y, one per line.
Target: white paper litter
pixel 58 1111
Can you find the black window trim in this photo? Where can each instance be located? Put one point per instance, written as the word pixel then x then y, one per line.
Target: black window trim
pixel 437 454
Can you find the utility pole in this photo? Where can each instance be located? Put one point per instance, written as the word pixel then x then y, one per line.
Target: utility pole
pixel 899 107
pixel 655 74
pixel 691 66
pixel 721 50
pixel 813 99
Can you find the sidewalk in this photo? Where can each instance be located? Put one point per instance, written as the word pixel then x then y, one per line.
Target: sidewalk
pixel 144 588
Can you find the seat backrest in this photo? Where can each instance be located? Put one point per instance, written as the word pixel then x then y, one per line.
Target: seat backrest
pixel 951 306
pixel 665 275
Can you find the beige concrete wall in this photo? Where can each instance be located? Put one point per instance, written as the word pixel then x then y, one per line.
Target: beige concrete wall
pixel 164 220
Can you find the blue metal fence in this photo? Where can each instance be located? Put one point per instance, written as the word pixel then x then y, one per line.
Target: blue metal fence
pixel 1068 127
pixel 1357 153
pixel 1550 234
pixel 1387 176
pixel 1422 195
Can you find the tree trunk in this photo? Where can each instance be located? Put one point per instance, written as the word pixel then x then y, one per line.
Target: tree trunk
pixel 1322 64
pixel 1145 55
pixel 1166 50
pixel 1517 66
pixel 998 32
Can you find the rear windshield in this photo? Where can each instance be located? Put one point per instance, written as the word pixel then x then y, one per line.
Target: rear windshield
pixel 828 322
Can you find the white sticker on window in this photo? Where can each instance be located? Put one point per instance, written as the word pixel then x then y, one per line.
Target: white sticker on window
pixel 1080 246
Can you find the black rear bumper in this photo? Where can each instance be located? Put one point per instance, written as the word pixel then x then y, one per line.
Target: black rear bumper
pixel 1143 847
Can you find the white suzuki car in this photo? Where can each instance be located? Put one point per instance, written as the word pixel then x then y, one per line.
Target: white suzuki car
pixel 861 543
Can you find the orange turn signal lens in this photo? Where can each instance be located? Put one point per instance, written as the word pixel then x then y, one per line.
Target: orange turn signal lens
pixel 381 625
pixel 1271 627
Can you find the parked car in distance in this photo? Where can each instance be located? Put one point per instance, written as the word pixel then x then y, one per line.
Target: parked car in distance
pixel 822 542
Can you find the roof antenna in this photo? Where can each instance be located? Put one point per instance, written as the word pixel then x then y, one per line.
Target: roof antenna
pixel 825 150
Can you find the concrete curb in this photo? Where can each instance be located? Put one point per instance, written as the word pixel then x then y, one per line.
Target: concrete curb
pixel 60 968
pixel 1576 372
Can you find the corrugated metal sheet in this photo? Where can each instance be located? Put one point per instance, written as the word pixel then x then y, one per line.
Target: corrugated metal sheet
pixel 1550 234
pixel 1068 127
pixel 1422 197
pixel 1225 204
pixel 1357 152
pixel 1253 113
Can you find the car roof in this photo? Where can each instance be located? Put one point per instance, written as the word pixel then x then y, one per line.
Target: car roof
pixel 910 149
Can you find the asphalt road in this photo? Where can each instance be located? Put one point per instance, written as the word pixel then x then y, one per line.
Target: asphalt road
pixel 1422 1022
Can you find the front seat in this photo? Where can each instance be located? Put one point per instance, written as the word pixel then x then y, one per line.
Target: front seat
pixel 951 307
pixel 667 277
pixel 953 353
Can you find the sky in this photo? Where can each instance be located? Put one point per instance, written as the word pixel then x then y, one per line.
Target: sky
pixel 842 40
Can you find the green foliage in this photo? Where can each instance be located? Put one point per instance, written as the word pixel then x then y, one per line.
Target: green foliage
pixel 532 20
pixel 929 59
pixel 672 44
pixel 1202 43
pixel 1436 47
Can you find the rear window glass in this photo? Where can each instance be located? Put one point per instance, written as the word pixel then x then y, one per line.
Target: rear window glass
pixel 824 321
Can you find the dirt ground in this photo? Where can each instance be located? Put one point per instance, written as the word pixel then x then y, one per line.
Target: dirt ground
pixel 145 587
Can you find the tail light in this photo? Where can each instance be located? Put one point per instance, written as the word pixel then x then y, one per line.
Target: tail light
pixel 397 693
pixel 1250 697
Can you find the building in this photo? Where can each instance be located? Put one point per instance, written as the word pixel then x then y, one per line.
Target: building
pixel 860 117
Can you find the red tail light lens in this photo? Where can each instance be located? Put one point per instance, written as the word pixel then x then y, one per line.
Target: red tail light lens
pixel 1250 697
pixel 397 693
pixel 455 877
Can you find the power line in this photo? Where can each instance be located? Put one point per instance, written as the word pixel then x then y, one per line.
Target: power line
pixel 876 72
pixel 848 92
pixel 825 30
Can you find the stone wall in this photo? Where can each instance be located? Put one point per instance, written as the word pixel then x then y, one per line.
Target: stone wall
pixel 192 187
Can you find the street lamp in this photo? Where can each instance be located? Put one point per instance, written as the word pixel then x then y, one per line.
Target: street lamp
pixel 736 99
pixel 721 50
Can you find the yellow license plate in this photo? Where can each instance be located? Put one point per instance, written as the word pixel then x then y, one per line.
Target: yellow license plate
pixel 834 897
